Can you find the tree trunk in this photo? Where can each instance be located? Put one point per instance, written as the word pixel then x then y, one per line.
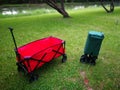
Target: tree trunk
pixel 111 6
pixel 60 9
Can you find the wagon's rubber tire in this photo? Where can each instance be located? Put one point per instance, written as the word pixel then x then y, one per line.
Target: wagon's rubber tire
pixel 19 69
pixel 33 78
pixel 64 59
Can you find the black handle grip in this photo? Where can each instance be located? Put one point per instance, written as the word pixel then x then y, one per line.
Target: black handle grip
pixel 10 28
pixel 11 31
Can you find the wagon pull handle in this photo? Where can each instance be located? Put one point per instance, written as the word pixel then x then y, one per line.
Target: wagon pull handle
pixel 11 30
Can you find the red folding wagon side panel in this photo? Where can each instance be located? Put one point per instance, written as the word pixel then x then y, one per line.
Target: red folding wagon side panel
pixel 40 52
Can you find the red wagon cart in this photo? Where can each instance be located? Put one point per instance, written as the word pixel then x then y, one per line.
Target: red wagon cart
pixel 35 54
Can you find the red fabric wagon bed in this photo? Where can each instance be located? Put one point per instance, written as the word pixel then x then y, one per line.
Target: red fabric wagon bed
pixel 35 54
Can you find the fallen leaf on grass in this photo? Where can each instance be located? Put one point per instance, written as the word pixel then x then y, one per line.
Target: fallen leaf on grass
pixel 83 74
pixel 86 81
pixel 89 88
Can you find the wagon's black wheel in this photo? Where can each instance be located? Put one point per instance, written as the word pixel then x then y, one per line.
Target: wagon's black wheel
pixel 33 77
pixel 64 59
pixel 19 69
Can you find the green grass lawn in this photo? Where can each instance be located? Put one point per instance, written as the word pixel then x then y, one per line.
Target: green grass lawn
pixel 63 76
